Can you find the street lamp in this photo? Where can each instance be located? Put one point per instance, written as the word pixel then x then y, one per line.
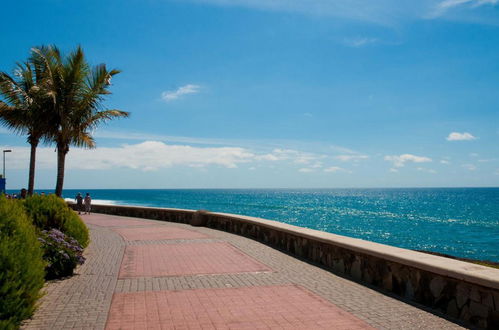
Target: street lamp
pixel 8 150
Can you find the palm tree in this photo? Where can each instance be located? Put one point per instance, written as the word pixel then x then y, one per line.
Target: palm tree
pixel 25 108
pixel 77 91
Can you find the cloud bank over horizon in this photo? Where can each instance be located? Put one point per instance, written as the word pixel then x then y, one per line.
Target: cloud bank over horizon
pixel 155 155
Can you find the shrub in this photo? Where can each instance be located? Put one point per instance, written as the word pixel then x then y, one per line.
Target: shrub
pixel 61 252
pixel 21 265
pixel 50 211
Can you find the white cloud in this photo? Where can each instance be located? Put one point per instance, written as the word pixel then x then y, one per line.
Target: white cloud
pixel 305 158
pixel 267 157
pixel 282 149
pixel 359 41
pixel 145 156
pixel 297 157
pixel 442 7
pixel 334 169
pixel 384 12
pixel 399 161
pixel 456 136
pixel 427 170
pixel 170 138
pixel 445 162
pixel 155 155
pixel 393 170
pixel 184 90
pixel 469 167
pixel 359 9
pixel 355 158
pixel 379 11
pixel 496 172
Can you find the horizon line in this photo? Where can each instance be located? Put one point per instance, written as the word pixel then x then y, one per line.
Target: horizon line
pixel 270 188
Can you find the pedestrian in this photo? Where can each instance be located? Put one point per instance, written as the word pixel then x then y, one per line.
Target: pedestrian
pixel 79 203
pixel 23 194
pixel 88 203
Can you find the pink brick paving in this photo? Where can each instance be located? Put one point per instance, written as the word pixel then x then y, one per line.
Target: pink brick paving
pixel 153 233
pixel 84 301
pixel 186 259
pixel 268 307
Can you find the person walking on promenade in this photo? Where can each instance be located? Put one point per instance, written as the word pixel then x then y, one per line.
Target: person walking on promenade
pixel 23 194
pixel 88 203
pixel 79 203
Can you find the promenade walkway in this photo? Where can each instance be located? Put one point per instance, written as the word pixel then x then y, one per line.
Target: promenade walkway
pixel 145 274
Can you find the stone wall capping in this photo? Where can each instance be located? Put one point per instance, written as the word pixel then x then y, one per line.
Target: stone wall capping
pixel 465 271
pixel 160 209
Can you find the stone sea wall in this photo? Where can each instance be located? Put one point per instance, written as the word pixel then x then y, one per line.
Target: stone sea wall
pixel 461 290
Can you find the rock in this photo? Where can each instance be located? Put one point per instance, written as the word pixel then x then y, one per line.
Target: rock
pixel 452 309
pixel 496 300
pixel 465 314
pixel 367 275
pixel 409 290
pixel 387 281
pixel 475 295
pixel 199 218
pixel 494 320
pixel 437 285
pixel 415 280
pixel 328 260
pixel 297 247
pixel 462 294
pixel 356 272
pixel 487 300
pixel 339 266
pixel 477 309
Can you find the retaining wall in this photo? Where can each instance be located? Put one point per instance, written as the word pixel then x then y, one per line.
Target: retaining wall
pixel 462 290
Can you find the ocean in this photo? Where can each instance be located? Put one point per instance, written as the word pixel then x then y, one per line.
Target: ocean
pixel 463 222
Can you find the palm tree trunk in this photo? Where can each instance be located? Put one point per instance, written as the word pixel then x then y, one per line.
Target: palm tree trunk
pixel 32 161
pixel 61 159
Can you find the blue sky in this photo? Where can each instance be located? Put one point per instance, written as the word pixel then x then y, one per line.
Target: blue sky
pixel 283 93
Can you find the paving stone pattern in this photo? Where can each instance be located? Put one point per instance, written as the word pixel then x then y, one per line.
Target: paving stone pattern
pixel 154 233
pixel 288 294
pixel 186 259
pixel 260 307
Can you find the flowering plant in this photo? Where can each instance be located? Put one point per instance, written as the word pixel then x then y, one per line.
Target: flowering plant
pixel 61 252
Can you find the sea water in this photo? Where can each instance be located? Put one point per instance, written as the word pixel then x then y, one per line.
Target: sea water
pixel 462 222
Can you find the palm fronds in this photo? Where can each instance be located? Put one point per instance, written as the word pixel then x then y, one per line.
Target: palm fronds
pixel 56 98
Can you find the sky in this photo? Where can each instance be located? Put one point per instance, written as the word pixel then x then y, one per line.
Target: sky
pixel 274 93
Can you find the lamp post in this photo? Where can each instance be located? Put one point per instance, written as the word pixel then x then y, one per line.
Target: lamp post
pixel 8 150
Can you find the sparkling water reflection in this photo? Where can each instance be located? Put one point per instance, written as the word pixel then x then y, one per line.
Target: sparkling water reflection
pixel 460 221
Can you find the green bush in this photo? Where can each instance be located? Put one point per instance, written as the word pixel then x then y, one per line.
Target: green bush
pixel 50 211
pixel 21 265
